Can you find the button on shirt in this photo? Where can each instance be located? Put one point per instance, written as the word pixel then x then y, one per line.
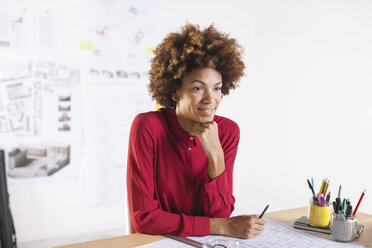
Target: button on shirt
pixel 169 190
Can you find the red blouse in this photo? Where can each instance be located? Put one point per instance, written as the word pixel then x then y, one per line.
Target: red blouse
pixel 169 190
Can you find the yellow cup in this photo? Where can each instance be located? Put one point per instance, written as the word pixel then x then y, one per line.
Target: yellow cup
pixel 319 215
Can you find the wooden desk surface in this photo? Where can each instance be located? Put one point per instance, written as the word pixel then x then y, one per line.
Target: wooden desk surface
pixel 285 216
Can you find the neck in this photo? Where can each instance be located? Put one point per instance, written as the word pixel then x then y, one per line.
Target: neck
pixel 184 123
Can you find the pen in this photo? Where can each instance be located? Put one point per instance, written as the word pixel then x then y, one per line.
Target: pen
pixel 312 182
pixel 323 201
pixel 310 186
pixel 339 192
pixel 338 204
pixel 320 196
pixel 315 200
pixel 334 206
pixel 360 200
pixel 263 212
pixel 349 209
pixel 344 205
pixel 328 196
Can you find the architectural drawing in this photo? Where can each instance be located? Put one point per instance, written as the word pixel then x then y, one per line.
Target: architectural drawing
pixel 38 160
pixel 26 99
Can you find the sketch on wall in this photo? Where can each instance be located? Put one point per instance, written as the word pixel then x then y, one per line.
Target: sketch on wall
pixel 46 36
pixel 13 30
pixel 123 36
pixel 36 116
pixel 25 100
pixel 37 161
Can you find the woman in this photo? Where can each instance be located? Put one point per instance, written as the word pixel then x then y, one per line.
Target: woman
pixel 181 157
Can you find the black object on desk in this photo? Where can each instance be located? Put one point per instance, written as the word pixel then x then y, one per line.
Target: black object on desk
pixel 7 231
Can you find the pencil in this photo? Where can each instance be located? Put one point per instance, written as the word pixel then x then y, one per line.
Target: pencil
pixel 321 187
pixel 263 212
pixel 325 191
pixel 360 200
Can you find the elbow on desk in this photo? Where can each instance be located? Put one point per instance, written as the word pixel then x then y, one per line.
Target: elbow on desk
pixel 143 223
pixel 156 223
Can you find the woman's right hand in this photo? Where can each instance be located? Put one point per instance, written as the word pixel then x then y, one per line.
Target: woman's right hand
pixel 241 226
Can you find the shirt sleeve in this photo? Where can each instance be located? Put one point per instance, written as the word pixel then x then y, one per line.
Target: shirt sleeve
pixel 145 212
pixel 218 200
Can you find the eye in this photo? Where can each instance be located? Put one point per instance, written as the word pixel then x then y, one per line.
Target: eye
pixel 217 88
pixel 197 88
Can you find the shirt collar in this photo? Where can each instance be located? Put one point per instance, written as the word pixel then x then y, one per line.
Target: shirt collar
pixel 174 126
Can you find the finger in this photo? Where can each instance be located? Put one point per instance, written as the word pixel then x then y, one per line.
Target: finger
pixel 251 236
pixel 256 232
pixel 261 221
pixel 207 124
pixel 196 132
pixel 258 227
pixel 253 233
pixel 210 124
pixel 198 125
pixel 199 128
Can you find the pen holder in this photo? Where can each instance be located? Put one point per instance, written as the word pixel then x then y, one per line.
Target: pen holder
pixel 319 215
pixel 343 228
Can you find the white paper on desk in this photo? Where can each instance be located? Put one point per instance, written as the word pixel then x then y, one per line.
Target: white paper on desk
pixel 276 234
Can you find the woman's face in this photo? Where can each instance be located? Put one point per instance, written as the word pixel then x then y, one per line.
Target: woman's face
pixel 199 95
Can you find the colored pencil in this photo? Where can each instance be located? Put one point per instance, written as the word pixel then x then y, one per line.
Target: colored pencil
pixel 360 199
pixel 325 191
pixel 321 187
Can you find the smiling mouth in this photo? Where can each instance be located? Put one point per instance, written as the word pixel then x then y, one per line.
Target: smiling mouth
pixel 208 111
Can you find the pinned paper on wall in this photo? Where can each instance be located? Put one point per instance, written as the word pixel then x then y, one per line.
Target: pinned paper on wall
pixel 13 30
pixel 124 32
pixel 150 51
pixel 86 45
pixel 107 151
pixel 24 31
pixel 48 33
pixel 39 119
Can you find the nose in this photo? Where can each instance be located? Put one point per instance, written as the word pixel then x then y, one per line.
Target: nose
pixel 207 97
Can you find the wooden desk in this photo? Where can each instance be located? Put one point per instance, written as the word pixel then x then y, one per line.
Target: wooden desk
pixel 285 216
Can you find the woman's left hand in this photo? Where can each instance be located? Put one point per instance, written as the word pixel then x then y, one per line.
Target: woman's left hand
pixel 208 136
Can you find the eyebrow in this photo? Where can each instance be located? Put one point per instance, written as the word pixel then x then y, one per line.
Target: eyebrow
pixel 203 83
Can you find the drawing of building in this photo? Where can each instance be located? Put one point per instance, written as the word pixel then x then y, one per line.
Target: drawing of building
pixel 38 160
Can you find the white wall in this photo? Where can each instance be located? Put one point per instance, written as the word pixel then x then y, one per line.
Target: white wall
pixel 304 108
pixel 308 106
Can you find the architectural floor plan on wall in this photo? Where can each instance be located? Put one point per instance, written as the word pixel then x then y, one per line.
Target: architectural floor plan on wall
pixel 38 104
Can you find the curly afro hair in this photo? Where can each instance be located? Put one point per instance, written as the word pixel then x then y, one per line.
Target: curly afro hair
pixel 193 48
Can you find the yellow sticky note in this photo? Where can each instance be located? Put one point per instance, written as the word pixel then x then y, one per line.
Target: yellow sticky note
pixel 86 45
pixel 158 106
pixel 150 51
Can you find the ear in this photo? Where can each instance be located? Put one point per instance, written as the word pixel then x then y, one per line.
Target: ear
pixel 176 93
pixel 175 96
